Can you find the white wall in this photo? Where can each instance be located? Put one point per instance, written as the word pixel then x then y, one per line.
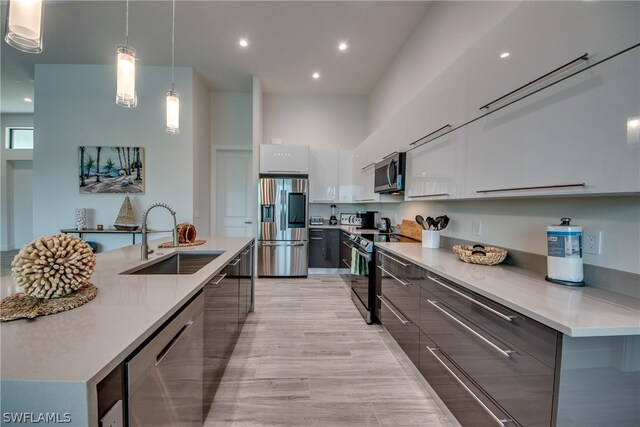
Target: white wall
pixel 7 227
pixel 76 106
pixel 201 157
pixel 446 31
pixel 522 223
pixel 231 119
pixel 318 121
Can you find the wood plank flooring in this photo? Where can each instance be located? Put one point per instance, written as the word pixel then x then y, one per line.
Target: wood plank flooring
pixel 307 358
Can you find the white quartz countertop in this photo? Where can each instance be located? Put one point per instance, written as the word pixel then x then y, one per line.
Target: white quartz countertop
pixel 86 343
pixel 577 312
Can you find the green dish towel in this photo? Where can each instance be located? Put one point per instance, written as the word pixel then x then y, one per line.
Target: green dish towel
pixel 355 261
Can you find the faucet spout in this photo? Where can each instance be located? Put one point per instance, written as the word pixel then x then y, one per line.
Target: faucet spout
pixel 145 245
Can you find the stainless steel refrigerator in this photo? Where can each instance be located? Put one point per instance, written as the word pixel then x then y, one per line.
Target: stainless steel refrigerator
pixel 283 231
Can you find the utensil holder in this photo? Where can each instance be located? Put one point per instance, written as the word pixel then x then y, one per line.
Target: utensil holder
pixel 431 239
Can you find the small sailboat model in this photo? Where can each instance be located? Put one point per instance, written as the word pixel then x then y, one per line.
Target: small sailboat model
pixel 126 217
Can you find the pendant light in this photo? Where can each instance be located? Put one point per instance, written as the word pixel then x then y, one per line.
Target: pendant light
pixel 173 98
pixel 126 70
pixel 23 29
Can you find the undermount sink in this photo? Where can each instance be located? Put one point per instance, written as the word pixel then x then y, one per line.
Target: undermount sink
pixel 179 263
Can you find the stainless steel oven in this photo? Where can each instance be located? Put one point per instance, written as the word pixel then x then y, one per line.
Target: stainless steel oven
pixel 363 271
pixel 389 176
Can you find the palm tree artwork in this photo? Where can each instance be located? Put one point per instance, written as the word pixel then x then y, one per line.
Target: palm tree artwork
pixel 122 172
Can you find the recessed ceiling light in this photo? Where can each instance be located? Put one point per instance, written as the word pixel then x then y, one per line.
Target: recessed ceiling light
pixel 504 55
pixel 316 75
pixel 28 100
pixel 633 123
pixel 343 46
pixel 243 42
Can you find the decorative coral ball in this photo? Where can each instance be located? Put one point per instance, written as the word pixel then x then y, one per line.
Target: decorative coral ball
pixel 53 266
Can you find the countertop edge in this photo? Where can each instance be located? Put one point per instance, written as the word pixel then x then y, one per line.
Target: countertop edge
pixel 611 331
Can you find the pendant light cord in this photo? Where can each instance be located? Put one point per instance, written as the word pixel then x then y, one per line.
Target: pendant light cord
pixel 126 26
pixel 173 42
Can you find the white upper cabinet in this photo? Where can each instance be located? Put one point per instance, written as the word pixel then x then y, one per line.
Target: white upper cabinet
pixel 324 179
pixel 284 159
pixel 436 163
pixel 440 107
pixel 580 136
pixel 366 156
pixel 545 39
pixel 393 134
pixel 346 192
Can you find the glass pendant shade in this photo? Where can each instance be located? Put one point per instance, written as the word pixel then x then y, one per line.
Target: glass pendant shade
pixel 23 28
pixel 173 112
pixel 126 77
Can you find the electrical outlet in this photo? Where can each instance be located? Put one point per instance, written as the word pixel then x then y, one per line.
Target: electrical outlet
pixel 592 242
pixel 476 228
pixel 113 418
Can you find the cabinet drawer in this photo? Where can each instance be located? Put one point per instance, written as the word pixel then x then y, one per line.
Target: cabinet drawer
pixel 466 401
pixel 530 336
pixel 517 381
pixel 399 267
pixel 402 293
pixel 403 331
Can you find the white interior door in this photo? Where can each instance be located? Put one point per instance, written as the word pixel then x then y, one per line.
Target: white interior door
pixel 235 207
pixel 20 201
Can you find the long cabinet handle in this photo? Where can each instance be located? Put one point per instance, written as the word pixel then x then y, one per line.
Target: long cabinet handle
pixel 473 300
pixel 283 171
pixel 368 166
pixel 394 277
pixel 346 263
pixel 428 195
pixel 389 155
pixel 582 57
pixel 364 200
pixel 323 200
pixel 500 422
pixel 317 238
pixel 219 280
pixel 347 245
pixel 173 342
pixel 538 187
pixel 431 134
pixel 404 322
pixel 394 259
pixel 237 260
pixel 505 353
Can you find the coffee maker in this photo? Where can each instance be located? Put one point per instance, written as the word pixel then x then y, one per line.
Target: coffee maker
pixel 367 219
pixel 334 215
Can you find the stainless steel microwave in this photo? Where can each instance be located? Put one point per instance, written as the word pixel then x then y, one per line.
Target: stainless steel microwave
pixel 389 176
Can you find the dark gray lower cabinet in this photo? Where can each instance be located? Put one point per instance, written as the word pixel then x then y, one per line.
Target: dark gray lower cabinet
pixel 345 250
pixel 466 401
pixel 489 364
pixel 227 302
pixel 324 248
pixel 401 329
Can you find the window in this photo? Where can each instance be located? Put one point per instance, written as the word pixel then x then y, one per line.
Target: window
pixel 20 138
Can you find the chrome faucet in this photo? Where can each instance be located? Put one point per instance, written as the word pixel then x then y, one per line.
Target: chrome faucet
pixel 145 246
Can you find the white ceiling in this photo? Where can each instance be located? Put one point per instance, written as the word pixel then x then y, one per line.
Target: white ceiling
pixel 288 40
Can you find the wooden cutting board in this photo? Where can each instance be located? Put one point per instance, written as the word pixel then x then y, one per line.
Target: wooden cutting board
pixel 411 229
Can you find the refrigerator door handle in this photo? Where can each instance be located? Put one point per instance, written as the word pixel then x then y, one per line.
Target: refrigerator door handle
pixel 283 212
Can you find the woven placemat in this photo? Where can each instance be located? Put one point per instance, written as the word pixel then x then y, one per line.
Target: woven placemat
pixel 23 306
pixel 166 245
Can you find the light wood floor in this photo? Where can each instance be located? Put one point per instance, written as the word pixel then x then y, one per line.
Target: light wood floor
pixel 307 358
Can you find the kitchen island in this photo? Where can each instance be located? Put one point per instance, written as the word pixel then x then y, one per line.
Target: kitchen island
pixel 53 364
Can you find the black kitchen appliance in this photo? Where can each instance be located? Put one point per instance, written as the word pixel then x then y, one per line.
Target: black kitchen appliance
pixel 367 219
pixel 384 226
pixel 363 280
pixel 334 212
pixel 389 176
